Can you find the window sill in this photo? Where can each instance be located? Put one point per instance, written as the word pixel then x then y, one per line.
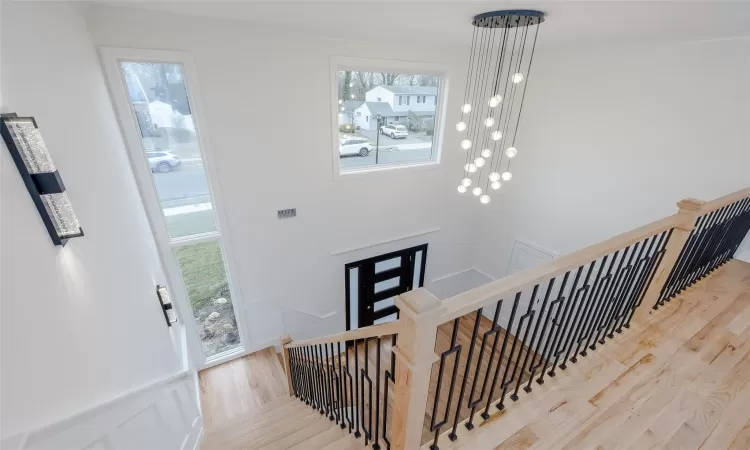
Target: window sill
pixel 425 165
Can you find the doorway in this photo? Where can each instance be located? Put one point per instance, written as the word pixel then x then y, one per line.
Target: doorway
pixel 372 285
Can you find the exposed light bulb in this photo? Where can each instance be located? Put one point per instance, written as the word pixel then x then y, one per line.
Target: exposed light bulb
pixel 495 100
pixel 461 126
pixel 461 188
pixel 472 168
pixel 466 144
pixel 511 152
pixel 466 167
pixel 477 191
pixel 495 185
pixel 466 108
pixel 341 101
pixel 479 162
pixel 496 135
pixel 466 182
pixel 517 77
pixel 507 176
pixel 494 176
pixel 486 153
pixel 488 122
pixel 484 199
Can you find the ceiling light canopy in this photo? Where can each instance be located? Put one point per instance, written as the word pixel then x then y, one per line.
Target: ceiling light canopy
pixel 502 51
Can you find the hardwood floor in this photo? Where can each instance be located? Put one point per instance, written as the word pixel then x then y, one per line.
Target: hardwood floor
pixel 240 387
pixel 680 380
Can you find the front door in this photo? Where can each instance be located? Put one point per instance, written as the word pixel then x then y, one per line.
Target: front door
pixel 372 285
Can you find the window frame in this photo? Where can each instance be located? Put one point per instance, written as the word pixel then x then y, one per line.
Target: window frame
pixel 166 245
pixel 338 63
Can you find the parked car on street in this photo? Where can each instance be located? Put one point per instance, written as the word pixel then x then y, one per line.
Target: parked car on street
pixel 355 146
pixel 394 131
pixel 162 161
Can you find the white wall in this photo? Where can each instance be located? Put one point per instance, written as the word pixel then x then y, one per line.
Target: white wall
pixel 612 138
pixel 249 77
pixel 80 324
pixel 384 94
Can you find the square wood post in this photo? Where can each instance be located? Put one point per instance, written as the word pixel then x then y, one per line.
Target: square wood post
pixel 690 210
pixel 420 314
pixel 286 340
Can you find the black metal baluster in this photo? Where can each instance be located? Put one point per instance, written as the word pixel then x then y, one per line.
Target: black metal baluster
pixel 486 413
pixel 578 306
pixel 609 298
pixel 329 383
pixel 545 321
pixel 350 396
pixel 357 416
pixel 700 247
pixel 530 313
pixel 342 389
pixel 388 376
pixel 505 382
pixel 530 344
pixel 553 333
pixel 606 282
pixel 477 320
pixel 565 320
pixel 321 380
pixel 729 237
pixel 366 377
pixel 721 245
pixel 376 445
pixel 741 230
pixel 651 270
pixel 713 244
pixel 686 255
pixel 311 379
pixel 629 285
pixel 602 302
pixel 435 427
pixel 589 305
pixel 494 331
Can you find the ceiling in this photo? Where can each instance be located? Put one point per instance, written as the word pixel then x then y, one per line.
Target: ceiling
pixel 569 23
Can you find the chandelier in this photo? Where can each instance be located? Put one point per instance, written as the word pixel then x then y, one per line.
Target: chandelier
pixel 502 51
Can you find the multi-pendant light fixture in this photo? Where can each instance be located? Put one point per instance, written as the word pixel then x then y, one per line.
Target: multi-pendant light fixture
pixel 502 51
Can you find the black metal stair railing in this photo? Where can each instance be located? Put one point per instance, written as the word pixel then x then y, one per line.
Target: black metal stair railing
pixel 714 240
pixel 345 381
pixel 535 332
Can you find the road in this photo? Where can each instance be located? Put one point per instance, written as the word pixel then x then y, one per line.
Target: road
pixel 186 182
pixel 385 157
pixel 387 141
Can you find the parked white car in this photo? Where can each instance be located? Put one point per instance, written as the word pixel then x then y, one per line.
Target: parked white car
pixel 394 131
pixel 162 161
pixel 354 146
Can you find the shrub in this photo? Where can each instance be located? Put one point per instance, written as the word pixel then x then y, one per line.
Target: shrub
pixel 346 128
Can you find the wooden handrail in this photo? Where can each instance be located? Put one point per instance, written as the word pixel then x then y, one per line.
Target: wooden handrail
pixel 484 295
pixel 728 199
pixel 361 333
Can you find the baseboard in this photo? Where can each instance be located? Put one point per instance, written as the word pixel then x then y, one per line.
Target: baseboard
pixel 193 440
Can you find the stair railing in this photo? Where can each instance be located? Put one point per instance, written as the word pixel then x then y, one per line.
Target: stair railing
pixel 456 362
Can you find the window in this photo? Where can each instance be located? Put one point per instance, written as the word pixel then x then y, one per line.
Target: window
pixel 359 113
pixel 380 99
pixel 415 140
pixel 169 163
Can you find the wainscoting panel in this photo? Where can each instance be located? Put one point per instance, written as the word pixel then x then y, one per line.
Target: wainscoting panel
pixel 162 416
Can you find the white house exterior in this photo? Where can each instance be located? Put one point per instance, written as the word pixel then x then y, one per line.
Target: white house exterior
pixel 391 102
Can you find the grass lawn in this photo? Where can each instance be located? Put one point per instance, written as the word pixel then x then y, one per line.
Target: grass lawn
pixel 189 224
pixel 203 271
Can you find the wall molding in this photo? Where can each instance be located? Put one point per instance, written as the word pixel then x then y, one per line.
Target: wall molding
pixel 164 414
pixel 386 241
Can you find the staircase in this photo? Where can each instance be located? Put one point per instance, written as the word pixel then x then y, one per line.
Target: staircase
pixel 639 341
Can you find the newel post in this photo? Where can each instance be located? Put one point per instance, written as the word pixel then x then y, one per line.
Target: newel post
pixel 286 340
pixel 690 210
pixel 419 314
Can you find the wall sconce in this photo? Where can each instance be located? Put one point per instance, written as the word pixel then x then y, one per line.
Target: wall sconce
pixel 166 304
pixel 26 146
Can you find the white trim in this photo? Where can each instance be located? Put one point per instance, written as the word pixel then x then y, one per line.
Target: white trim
pixel 434 280
pixel 327 315
pixel 481 272
pixel 386 241
pixel 389 65
pixel 110 57
pixel 102 422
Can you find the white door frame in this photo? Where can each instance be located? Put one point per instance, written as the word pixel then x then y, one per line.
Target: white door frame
pixel 111 57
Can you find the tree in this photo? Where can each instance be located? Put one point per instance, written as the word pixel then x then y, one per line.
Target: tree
pixel 346 89
pixel 413 121
pixel 366 80
pixel 389 78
